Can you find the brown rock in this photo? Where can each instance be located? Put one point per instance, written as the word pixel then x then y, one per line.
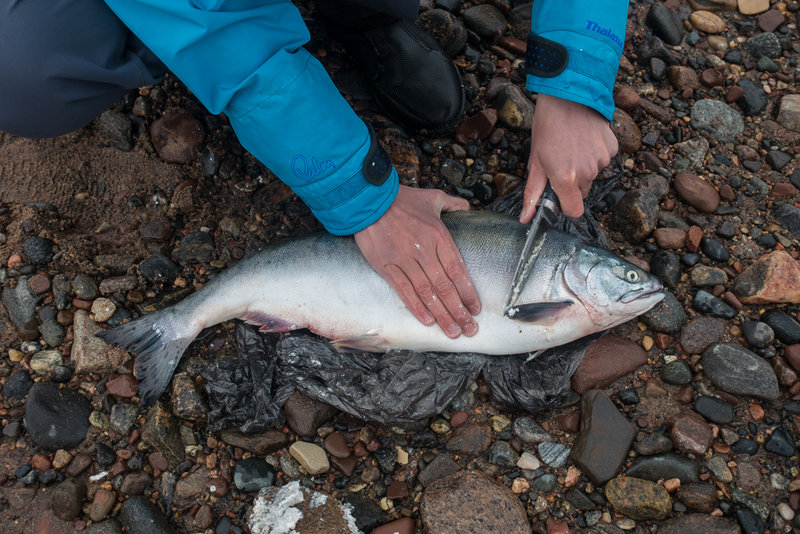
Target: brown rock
pixel 752 7
pixel 697 192
pixel 626 97
pixel 192 486
pixel 713 5
pixel 748 476
pixel 78 464
pixel 40 462
pixel 135 483
pixel 505 183
pixel 336 445
pixel 690 433
pixel 789 114
pixel 177 136
pixel 305 415
pixel 773 278
pixel 747 153
pixel 606 360
pixel 700 333
pixel 682 78
pixel 450 505
pixel 470 440
pixel 770 20
pixel 345 465
pixel 698 497
pixel 699 524
pixel 658 112
pixel 102 504
pixel 123 386
pixel 786 375
pixel 792 355
pixel 784 190
pixel 66 499
pixel 726 192
pixel 157 461
pixel 707 22
pixel 734 93
pixel 400 526
pixel 628 133
pixel 693 238
pixel 397 490
pixel 711 78
pixel 204 518
pixel 638 499
pixel 669 238
pixel 260 443
pixel 39 283
pixel 440 467
pixel 477 127
pixel 458 419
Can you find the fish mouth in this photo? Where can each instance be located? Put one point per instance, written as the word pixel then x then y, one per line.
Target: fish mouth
pixel 639 294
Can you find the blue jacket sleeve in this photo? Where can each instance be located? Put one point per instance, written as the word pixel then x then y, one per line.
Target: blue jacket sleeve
pixel 246 58
pixel 593 32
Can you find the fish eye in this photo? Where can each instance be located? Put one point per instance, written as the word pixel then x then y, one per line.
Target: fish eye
pixel 631 276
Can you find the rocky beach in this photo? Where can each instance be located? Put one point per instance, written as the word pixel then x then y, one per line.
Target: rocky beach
pixel 684 421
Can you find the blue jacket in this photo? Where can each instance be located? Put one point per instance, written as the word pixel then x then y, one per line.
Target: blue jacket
pixel 245 58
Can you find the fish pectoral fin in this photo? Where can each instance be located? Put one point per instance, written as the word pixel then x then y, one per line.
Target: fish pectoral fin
pixel 537 311
pixel 363 343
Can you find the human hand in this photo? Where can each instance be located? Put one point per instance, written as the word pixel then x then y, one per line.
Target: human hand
pixel 570 144
pixel 412 249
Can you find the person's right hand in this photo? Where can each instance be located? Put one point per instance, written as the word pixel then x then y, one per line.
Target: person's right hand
pixel 412 249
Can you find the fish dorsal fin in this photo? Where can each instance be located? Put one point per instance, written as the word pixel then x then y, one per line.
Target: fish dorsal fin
pixel 537 312
pixel 363 343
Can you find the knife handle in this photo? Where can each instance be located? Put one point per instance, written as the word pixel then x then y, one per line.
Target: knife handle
pixel 549 199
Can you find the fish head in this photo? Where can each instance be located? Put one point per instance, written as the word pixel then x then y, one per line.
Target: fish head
pixel 611 289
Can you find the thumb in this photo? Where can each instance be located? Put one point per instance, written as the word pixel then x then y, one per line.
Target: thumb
pixel 534 187
pixel 451 203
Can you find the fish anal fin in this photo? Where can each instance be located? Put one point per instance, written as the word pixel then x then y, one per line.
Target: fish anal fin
pixel 363 343
pixel 268 323
pixel 537 312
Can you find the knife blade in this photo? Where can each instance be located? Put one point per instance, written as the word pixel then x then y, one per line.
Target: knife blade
pixel 547 210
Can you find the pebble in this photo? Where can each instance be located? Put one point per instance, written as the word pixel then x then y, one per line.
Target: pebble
pixel 714 249
pixel 187 403
pixel 485 20
pixel 749 522
pixel 91 354
pixel 707 22
pixel 470 439
pixel 716 119
pixel 101 505
pixel 159 270
pixel 514 109
pixel 698 524
pixel 753 100
pixel 627 131
pixel 139 516
pixel 446 28
pixel 66 499
pixel 690 433
pixel 52 333
pixel 44 362
pixel 305 415
pixel 669 238
pixel 501 453
pixel 667 316
pixel 701 333
pixel 789 112
pixel 440 467
pixel 758 334
pixel 545 483
pixel 636 214
pixel 781 442
pixel 606 360
pixel 697 192
pixel 770 279
pixel 704 275
pixel 666 266
pixel 19 302
pixel 786 328
pixel 38 249
pixel 638 499
pixel 694 150
pixel 116 129
pixel 714 410
pixel 677 373
pixel 653 444
pixel 161 431
pixel 56 418
pixel 706 303
pixel 789 216
pixel 528 461
pixel 454 499
pixel 777 159
pixel 596 451
pixel 135 483
pixel 529 431
pixel 665 24
pixel 663 467
pixel 764 44
pixel 177 136
pixel 253 474
pixel 736 370
pixel 553 454
pixel 312 457
pixel 452 171
pixel 84 287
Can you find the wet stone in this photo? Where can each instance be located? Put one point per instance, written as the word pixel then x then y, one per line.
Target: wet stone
pixel 253 474
pixel 606 360
pixel 553 454
pixel 788 216
pixel 84 287
pixel 485 20
pixel 470 439
pixel 664 467
pixel 719 469
pixel 698 524
pixel 654 444
pixel 753 100
pixel 56 418
pixel 529 431
pixel 177 136
pixel 772 278
pixel 446 28
pixel 312 457
pixel 101 506
pixel 777 159
pixel 789 113
pixel 764 44
pixel 501 453
pixel 627 131
pixel 38 249
pixel 260 443
pixel 139 516
pixel 45 361
pixel 701 333
pixel 758 334
pixel 677 373
pixel 665 23
pixel 453 172
pixel 787 329
pixel 714 410
pixel 698 497
pixel 124 386
pixel 440 467
pixel 716 119
pixel 386 458
pixel 690 433
pixel 52 333
pixel 638 499
pixel 738 371
pixel 781 442
pixel 91 354
pixel 135 483
pixel 714 249
pixel 636 214
pixel 19 302
pixel 706 303
pixel 305 415
pixel 159 269
pixel 514 109
pixel 745 446
pixel 160 430
pixel 667 316
pixel 749 522
pixel 187 403
pixel 66 499
pixel 604 438
pixel 453 500
pixel 116 129
pixel 703 275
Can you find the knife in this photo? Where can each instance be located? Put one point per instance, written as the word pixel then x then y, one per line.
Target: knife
pixel 547 210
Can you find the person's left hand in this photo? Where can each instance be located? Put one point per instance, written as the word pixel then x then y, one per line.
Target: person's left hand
pixel 570 144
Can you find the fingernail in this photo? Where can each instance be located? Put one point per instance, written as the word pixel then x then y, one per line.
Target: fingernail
pixel 428 318
pixel 453 330
pixel 470 328
pixel 474 309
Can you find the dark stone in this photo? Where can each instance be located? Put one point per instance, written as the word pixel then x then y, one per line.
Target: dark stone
pixel 677 373
pixel 446 28
pixel 662 467
pixel 758 334
pixel 159 269
pixel 764 44
pixel 667 316
pixel 781 442
pixel 305 415
pixel 665 23
pixel 636 214
pixel 366 512
pixel 745 446
pixel 714 249
pixel 786 328
pixel 440 467
pixel 116 129
pixel 253 474
pixel 18 385
pixel 105 455
pixel 666 266
pixel 714 409
pixel 750 522
pixel 698 524
pixel 485 20
pixel 777 159
pixel 753 100
pixel 706 303
pixel 56 418
pixel 786 214
pixel 386 458
pixel 628 397
pixel 66 499
pixel 738 371
pixel 502 453
pixel 20 303
pixel 38 249
pixel 604 438
pixel 139 516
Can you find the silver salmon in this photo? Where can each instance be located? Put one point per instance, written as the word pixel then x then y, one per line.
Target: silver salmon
pixel 324 284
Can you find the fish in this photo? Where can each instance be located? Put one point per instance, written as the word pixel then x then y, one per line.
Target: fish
pixel 323 283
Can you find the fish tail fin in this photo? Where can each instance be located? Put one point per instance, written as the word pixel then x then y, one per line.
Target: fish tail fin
pixel 158 344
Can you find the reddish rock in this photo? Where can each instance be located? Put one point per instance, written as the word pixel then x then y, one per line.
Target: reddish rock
pixel 305 415
pixel 458 419
pixel 626 97
pixel 628 133
pixel 792 355
pixel 39 283
pixel 40 462
pixel 606 360
pixel 682 78
pixel 770 20
pixel 400 526
pixel 747 153
pixel 345 465
pixel 177 136
pixel 748 476
pixel 698 497
pixel 784 190
pixel 102 504
pixel 693 238
pixel 470 440
pixel 397 490
pixel 204 518
pixel 157 461
pixel 786 375
pixel 690 433
pixel 726 192
pixel 336 445
pixel 669 238
pixel 734 93
pixel 773 278
pixel 711 78
pixel 697 192
pixel 477 127
pixel 700 333
pixel 124 386
pixel 78 464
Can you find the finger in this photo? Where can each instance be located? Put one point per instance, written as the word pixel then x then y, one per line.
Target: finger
pixel 569 196
pixel 426 291
pixel 456 289
pixel 451 203
pixel 534 187
pixel 405 290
